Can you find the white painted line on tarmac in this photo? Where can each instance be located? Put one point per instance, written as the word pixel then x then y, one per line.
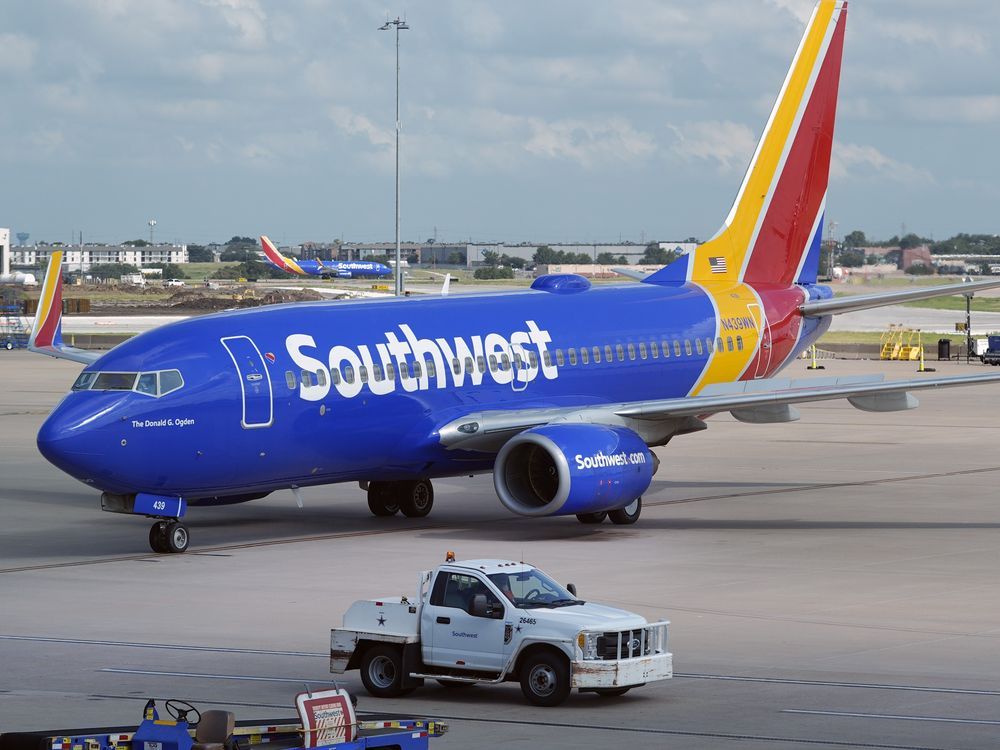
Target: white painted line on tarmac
pixel 202 676
pixel 825 683
pixel 898 717
pixel 168 646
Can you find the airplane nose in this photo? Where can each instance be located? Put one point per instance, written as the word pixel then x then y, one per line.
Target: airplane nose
pixel 66 447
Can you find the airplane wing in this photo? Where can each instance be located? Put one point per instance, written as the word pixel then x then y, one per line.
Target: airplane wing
pixel 866 301
pixel 632 273
pixel 46 335
pixel 755 401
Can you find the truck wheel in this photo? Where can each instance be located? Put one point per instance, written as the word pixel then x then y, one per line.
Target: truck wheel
pixel 416 498
pixel 611 692
pixel 380 499
pixel 592 517
pixel 382 672
pixel 545 679
pixel 627 515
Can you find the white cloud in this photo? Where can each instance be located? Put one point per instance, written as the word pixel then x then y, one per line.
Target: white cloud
pixel 588 142
pixel 941 35
pixel 246 17
pixel 355 124
pixel 854 160
pixel 17 53
pixel 729 144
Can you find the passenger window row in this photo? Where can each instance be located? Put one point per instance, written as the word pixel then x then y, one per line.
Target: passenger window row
pixel 502 363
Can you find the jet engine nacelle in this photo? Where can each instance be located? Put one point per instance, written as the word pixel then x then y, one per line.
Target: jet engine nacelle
pixel 562 469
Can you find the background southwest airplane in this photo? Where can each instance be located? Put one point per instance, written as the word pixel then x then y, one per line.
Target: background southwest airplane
pixel 559 391
pixel 343 269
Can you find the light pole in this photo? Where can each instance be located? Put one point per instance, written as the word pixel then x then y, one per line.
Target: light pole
pixel 400 26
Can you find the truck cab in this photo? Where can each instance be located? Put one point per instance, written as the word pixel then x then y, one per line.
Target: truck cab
pixel 497 620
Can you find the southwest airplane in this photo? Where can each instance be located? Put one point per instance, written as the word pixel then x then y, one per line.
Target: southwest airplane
pixel 341 269
pixel 560 390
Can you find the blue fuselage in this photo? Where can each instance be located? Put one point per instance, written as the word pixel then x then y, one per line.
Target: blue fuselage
pixel 297 395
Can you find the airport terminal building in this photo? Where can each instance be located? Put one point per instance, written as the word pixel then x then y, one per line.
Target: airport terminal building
pixel 81 258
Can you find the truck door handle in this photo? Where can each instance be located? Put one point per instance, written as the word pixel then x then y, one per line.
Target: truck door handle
pixel 444 620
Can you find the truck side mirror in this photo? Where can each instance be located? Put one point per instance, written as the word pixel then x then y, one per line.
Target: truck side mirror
pixel 571 588
pixel 479 608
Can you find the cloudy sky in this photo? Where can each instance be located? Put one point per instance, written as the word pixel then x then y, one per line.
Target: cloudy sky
pixel 522 121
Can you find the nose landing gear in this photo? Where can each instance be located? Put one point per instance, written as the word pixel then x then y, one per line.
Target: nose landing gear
pixel 169 537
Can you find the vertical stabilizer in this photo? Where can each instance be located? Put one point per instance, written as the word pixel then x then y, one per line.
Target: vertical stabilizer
pixel 277 259
pixel 772 232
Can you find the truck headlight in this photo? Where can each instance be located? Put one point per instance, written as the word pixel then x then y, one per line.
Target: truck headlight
pixel 588 644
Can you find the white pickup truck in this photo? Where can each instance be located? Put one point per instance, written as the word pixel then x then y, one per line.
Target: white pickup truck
pixel 491 621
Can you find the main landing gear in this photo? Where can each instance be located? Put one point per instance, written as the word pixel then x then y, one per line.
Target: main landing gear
pixel 622 517
pixel 414 498
pixel 169 536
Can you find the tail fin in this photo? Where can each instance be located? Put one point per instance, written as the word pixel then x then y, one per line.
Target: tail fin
pixel 773 231
pixel 46 335
pixel 277 259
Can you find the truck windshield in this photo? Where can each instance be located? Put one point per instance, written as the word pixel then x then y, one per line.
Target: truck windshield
pixel 528 589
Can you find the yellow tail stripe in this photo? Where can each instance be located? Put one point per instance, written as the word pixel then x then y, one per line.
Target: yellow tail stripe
pixel 734 240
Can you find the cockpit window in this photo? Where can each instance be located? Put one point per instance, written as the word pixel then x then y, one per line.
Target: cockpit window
pixel 149 383
pixel 85 380
pixel 170 380
pixel 114 381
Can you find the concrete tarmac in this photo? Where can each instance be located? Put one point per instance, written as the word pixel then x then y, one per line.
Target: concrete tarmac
pixel 833 582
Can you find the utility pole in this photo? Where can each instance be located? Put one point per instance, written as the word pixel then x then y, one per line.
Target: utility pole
pixel 400 25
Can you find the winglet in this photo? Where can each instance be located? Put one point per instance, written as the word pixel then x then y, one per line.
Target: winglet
pixel 277 259
pixel 48 318
pixel 445 285
pixel 46 335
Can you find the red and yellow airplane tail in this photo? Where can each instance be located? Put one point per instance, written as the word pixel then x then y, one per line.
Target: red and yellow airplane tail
pixel 46 334
pixel 773 231
pixel 279 260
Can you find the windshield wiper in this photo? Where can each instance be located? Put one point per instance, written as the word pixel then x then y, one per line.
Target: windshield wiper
pixel 567 602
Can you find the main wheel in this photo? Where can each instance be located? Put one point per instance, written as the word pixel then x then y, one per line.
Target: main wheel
pixel 592 517
pixel 415 498
pixel 158 537
pixel 177 537
pixel 545 679
pixel 8 346
pixel 382 671
pixel 381 499
pixel 627 515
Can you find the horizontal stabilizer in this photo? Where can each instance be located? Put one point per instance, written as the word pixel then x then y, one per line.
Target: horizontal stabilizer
pixel 632 273
pixel 847 304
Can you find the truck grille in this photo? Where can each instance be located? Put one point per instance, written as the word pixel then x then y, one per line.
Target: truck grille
pixel 624 644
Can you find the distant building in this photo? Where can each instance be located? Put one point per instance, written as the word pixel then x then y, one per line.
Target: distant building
pixel 76 258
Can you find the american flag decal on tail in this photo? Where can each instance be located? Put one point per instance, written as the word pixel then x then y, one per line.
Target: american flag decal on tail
pixel 718 265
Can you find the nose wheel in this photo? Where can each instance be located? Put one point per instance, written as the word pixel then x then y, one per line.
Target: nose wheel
pixel 169 537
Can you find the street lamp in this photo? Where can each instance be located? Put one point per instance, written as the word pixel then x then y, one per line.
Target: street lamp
pixel 400 25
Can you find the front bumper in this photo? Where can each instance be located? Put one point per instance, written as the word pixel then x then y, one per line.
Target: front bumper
pixel 593 673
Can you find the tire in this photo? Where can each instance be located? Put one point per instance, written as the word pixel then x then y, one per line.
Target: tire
pixel 627 515
pixel 158 537
pixel 545 679
pixel 380 499
pixel 177 538
pixel 8 346
pixel 415 498
pixel 382 671
pixel 592 517
pixel 611 692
